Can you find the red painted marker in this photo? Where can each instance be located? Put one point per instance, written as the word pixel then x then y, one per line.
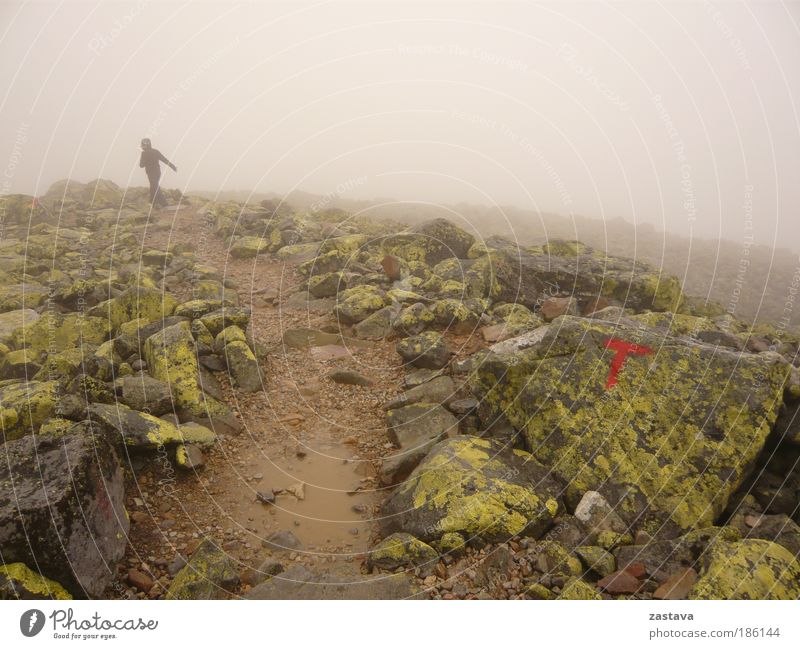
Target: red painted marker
pixel 623 349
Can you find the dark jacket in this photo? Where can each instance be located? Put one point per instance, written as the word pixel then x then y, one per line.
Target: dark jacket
pixel 151 159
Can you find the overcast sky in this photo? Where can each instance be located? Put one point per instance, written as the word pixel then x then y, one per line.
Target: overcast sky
pixel 680 115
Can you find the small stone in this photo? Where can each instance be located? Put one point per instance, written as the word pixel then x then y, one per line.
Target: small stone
pixel 619 583
pixel 350 377
pixel 636 569
pixel 140 580
pixel 267 497
pixel 677 585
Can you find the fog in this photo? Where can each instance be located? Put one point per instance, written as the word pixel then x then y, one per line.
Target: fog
pixel 683 116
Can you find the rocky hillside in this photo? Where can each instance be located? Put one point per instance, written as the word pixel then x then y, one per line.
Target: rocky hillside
pixel 555 423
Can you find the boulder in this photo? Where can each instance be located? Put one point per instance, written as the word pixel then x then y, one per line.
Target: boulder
pixel 218 320
pixel 26 405
pixel 377 325
pixel 17 581
pixel 243 366
pixel 357 303
pixel 300 583
pixel 209 574
pixel 402 550
pixel 476 487
pixel 62 508
pixel 248 247
pixel 665 429
pixel 428 350
pixel 11 321
pixel 414 430
pixel 142 392
pixel 170 356
pixel 57 332
pixel 430 242
pixel 139 430
pixel 748 569
pixel 146 305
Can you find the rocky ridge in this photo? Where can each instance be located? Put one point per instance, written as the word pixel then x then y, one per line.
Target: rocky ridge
pixel 563 425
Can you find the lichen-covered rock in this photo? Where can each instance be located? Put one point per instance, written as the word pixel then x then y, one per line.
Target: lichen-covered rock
pixel 427 350
pixel 476 487
pixel 170 356
pixel 84 508
pixel 209 574
pixel 749 569
pixel 194 309
pixel 243 366
pixel 413 319
pixel 401 550
pixel 57 332
pixel 19 364
pixel 11 321
pixel 32 402
pixel 551 557
pixel 136 303
pixel 142 392
pixel 131 428
pixel 17 581
pixel 355 304
pixel 575 588
pixel 227 316
pixel 665 435
pixel 248 246
pixel 430 242
pixel 455 315
pixel 377 326
pixel 328 284
pixel 228 335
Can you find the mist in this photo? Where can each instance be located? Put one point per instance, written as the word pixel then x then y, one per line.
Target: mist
pixel 682 116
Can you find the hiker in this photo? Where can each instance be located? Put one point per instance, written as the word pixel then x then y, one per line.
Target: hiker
pixel 151 161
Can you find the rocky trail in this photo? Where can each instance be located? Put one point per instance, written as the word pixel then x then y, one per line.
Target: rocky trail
pixel 261 403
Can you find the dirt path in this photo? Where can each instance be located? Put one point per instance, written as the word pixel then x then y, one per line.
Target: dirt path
pixel 302 432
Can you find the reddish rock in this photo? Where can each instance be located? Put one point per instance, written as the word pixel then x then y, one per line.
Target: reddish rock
pixel 677 585
pixel 596 304
pixel 619 583
pixel 495 333
pixel 636 569
pixel 391 266
pixel 553 307
pixel 139 580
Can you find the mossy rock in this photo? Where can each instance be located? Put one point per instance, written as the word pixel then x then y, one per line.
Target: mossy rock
pixel 552 558
pixel 138 430
pixel 596 559
pixel 194 309
pixel 328 284
pixel 33 402
pixel 248 247
pixel 376 326
pixel 401 550
pixel 749 569
pixel 228 335
pixel 55 427
pixel 216 321
pixel 430 242
pixel 170 356
pixel 413 320
pixel 478 488
pixel 329 262
pixel 17 581
pixel 667 444
pixel 575 588
pixel 455 315
pixel 357 303
pixel 56 332
pixel 428 350
pixel 11 321
pixel 209 574
pixel 19 364
pixel 27 295
pixel 347 245
pixel 135 303
pixel 243 366
pixel 676 324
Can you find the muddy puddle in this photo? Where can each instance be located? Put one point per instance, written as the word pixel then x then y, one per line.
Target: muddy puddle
pixel 321 493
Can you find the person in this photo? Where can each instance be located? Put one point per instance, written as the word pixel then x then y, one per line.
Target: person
pixel 151 160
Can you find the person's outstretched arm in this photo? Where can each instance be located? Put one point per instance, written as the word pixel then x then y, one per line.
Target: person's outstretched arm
pixel 166 162
pixel 141 160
